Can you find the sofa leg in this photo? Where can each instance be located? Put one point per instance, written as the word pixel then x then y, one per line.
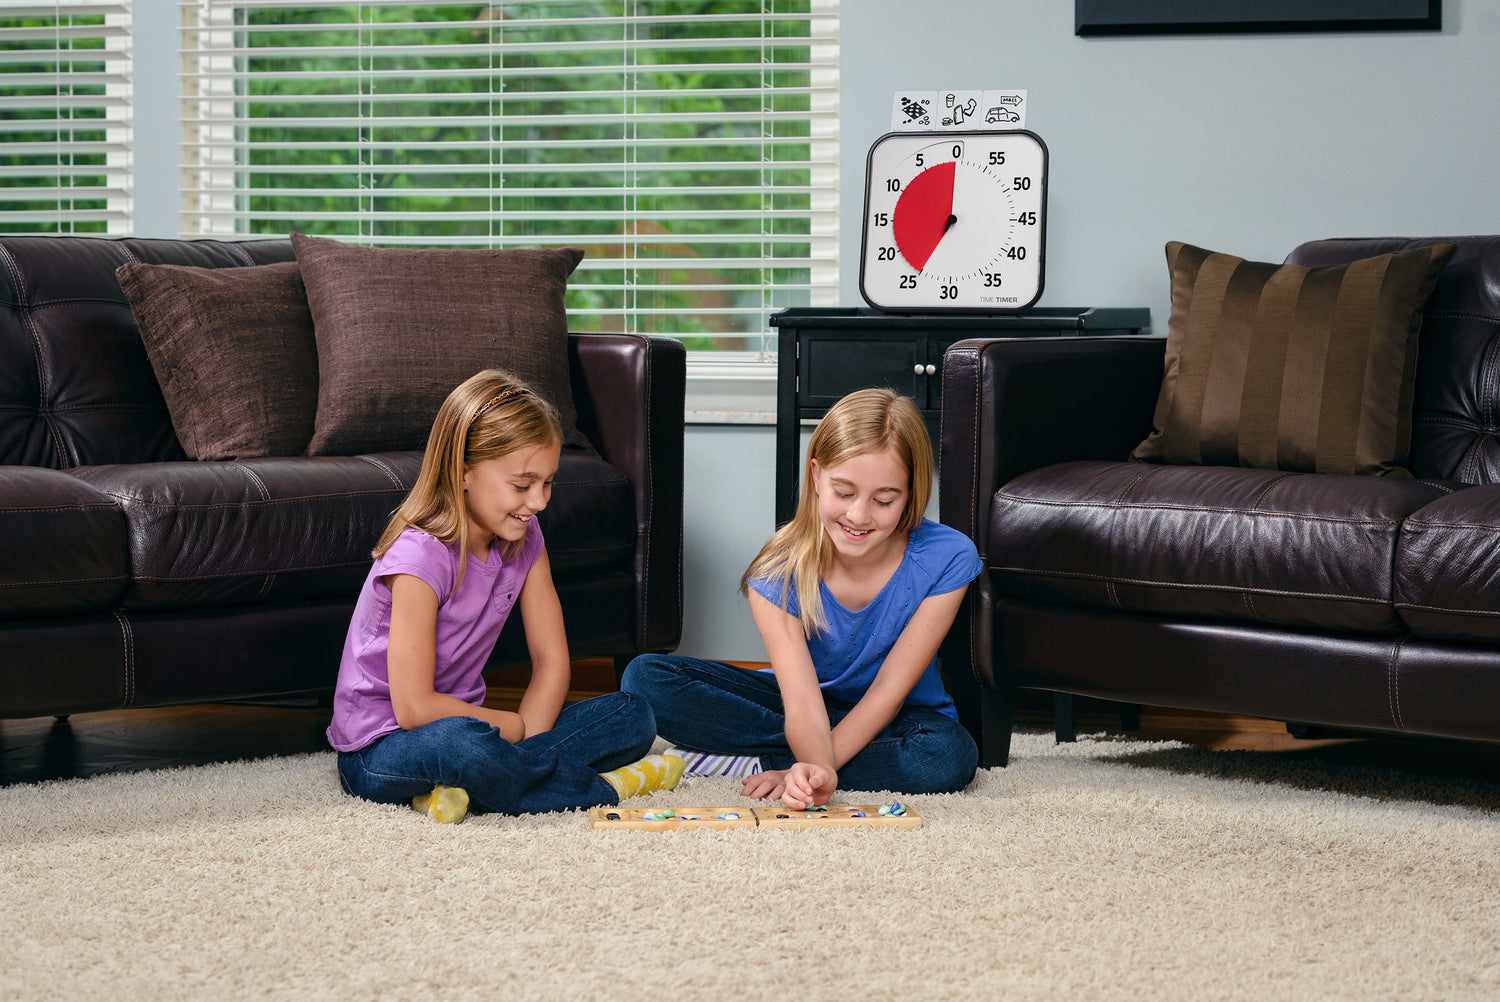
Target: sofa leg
pixel 997 714
pixel 1065 716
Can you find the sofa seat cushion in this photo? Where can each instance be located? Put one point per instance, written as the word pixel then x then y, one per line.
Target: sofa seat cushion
pixel 301 528
pixel 62 545
pixel 257 530
pixel 1291 549
pixel 1447 572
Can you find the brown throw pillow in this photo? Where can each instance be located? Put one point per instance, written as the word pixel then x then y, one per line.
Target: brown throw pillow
pixel 1282 367
pixel 233 351
pixel 398 328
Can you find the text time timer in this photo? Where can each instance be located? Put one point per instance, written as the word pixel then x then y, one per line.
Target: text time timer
pixel 954 222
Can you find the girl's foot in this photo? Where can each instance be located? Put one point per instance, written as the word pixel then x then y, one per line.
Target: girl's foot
pixel 652 773
pixel 446 805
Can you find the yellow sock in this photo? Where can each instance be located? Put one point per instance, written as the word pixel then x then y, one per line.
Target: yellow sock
pixel 446 805
pixel 652 773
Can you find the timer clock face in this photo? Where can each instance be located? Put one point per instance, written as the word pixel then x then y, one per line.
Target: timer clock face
pixel 954 222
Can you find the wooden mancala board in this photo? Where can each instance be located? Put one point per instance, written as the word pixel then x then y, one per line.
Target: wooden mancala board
pixel 836 816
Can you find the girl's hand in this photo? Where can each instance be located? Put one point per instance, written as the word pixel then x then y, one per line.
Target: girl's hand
pixel 807 784
pixel 764 785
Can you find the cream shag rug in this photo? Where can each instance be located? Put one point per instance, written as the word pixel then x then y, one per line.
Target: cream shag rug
pixel 1109 869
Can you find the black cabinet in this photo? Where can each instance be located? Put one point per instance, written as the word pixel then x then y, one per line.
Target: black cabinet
pixel 827 353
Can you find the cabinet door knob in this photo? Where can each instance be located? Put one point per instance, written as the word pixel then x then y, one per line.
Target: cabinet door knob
pixel 918 368
pixel 931 369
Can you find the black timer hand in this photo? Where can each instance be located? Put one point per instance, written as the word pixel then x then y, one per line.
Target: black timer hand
pixel 949 224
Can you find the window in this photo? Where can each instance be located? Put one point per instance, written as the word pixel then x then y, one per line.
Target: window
pixel 65 117
pixel 689 146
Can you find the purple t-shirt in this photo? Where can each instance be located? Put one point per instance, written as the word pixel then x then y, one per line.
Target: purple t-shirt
pixel 468 624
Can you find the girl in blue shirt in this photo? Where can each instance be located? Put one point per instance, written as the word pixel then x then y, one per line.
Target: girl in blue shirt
pixel 852 598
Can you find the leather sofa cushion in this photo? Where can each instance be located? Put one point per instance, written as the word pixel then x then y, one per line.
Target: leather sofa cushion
pixel 397 328
pixel 1299 550
pixel 62 545
pixel 233 351
pixel 301 529
pixel 1447 566
pixel 1283 367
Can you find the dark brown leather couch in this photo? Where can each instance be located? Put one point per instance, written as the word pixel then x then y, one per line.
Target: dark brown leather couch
pixel 131 576
pixel 1349 602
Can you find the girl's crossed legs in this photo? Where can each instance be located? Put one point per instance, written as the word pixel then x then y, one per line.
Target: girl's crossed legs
pixel 557 770
pixel 714 707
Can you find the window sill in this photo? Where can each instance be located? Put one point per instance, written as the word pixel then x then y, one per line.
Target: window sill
pixel 731 390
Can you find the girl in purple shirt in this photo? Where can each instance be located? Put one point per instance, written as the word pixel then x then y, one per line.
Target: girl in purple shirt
pixel 462 551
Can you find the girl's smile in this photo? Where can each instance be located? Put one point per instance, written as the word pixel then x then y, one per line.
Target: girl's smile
pixel 502 495
pixel 860 502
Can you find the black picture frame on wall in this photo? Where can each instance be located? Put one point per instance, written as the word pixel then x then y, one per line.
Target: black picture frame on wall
pixel 1184 17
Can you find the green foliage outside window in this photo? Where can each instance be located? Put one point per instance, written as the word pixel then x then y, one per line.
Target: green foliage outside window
pixel 48 126
pixel 545 161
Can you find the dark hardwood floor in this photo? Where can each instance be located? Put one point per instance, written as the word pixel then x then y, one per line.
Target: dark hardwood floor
pixel 89 744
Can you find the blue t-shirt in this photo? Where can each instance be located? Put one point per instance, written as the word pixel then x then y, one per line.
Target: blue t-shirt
pixel 938 559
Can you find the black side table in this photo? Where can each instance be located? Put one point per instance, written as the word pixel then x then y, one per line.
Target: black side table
pixel 825 353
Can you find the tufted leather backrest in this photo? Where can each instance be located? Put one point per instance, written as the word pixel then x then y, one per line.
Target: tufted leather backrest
pixel 1456 414
pixel 76 387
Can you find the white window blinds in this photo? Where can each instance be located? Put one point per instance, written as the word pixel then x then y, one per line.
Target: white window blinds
pixel 689 146
pixel 65 117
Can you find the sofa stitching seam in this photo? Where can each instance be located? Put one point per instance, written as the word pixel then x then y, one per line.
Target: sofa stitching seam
pixel 383 468
pixel 1265 491
pixel 270 575
pixel 643 611
pixel 973 520
pixel 1002 495
pixel 233 575
pixel 126 499
pixel 80 506
pixel 45 582
pixel 1451 610
pixel 125 639
pixel 1186 586
pixel 1393 683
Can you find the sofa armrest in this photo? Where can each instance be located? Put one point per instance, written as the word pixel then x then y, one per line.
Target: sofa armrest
pixel 629 390
pixel 1016 404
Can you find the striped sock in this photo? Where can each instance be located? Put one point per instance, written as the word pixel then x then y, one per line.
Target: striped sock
pixel 709 764
pixel 652 773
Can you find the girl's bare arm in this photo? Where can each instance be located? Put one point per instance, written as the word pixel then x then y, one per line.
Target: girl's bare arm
pixel 815 776
pixel 902 668
pixel 547 641
pixel 411 661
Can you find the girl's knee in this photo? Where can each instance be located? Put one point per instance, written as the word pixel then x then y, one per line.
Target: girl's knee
pixel 645 673
pixel 950 759
pixel 632 715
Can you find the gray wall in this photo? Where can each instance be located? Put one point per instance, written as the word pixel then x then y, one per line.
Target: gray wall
pixel 1248 144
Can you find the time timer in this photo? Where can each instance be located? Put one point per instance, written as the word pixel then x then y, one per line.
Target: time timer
pixel 954 222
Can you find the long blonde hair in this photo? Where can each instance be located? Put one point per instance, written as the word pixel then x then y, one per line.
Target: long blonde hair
pixel 490 414
pixel 864 422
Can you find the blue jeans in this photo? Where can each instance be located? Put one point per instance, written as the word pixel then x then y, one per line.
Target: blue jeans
pixel 714 707
pixel 557 770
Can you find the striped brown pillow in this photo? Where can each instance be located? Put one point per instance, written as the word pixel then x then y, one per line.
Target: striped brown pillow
pixel 1282 367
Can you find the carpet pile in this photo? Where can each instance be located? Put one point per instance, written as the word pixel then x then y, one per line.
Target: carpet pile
pixel 1106 869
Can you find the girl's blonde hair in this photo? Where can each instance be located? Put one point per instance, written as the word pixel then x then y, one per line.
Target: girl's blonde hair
pixel 864 422
pixel 490 414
